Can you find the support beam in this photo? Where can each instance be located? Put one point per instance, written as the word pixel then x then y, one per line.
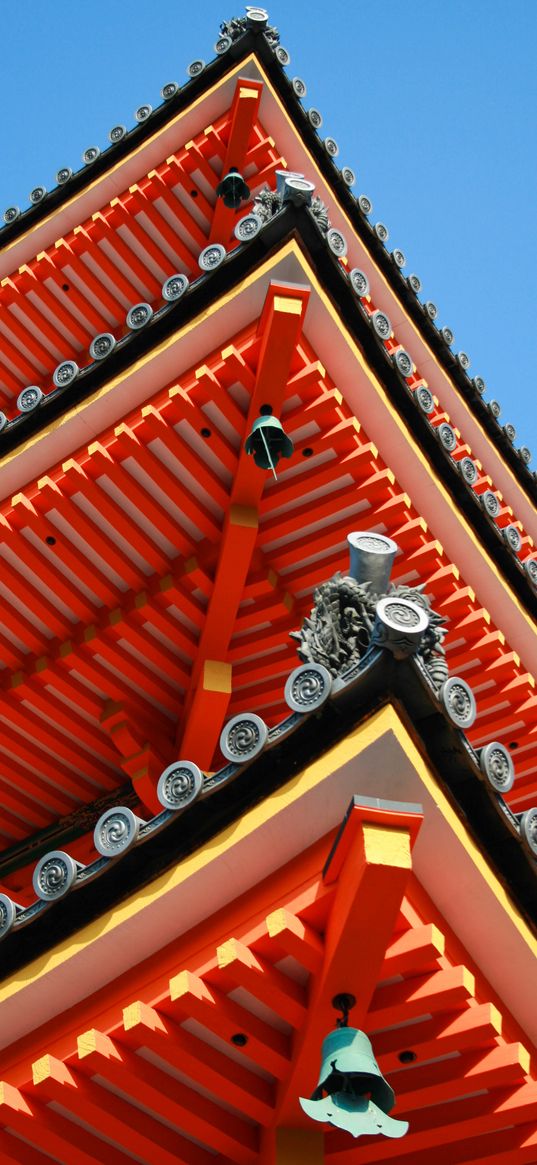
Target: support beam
pixel 283 1146
pixel 244 112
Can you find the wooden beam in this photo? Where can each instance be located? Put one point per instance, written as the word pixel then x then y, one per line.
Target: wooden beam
pixel 244 112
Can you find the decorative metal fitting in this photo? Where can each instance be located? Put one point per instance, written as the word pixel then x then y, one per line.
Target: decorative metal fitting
pixel 8 913
pixel 468 470
pixel 528 831
pixel 90 155
pixel 256 18
pixel 116 831
pixel 494 408
pixel 446 436
pixel 447 336
pixel 336 242
pixel 399 258
pixel 497 766
pixel 195 68
pixel 381 232
pixel 179 785
pixel 174 287
pixel 282 55
pixel 431 309
pixel 381 325
pixel 490 503
pixel 294 188
pixel 403 362
pixel 37 194
pixel 331 147
pixel 510 432
pixel 530 567
pixel 308 687
pixel 512 536
pixel 29 399
pixel 12 213
pixel 359 282
pixel 169 90
pixel 117 133
pixel 63 175
pixel 222 45
pixel 424 399
pixel 464 360
pixel 414 282
pixel 138 316
pixel 399 626
pixel 54 875
pixel 371 559
pixel 299 87
pixel 3 421
pixel 65 373
pixel 348 175
pixel 479 384
pixel 459 702
pixel 246 228
pixel 365 204
pixel 102 345
pixel 143 112
pixel 315 118
pixel 525 454
pixel 243 737
pixel 211 257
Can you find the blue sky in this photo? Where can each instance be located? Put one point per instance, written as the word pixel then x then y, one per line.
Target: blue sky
pixel 433 104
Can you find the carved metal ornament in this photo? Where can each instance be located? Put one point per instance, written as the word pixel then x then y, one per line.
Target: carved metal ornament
pixel 282 55
pixel 381 232
pixel 179 785
pixel 315 118
pixel 117 133
pixel 143 112
pixel 37 194
pixel 479 384
pixel 174 287
pixel 211 257
pixel 512 536
pixel 63 175
pixel 403 362
pixel 447 336
pixel 54 875
pixel 399 258
pixel 424 399
pixel 331 147
pixel 308 687
pixel 497 766
pixel 12 213
pixel 459 702
pixel 247 227
pixel 359 282
pixel 3 421
pixel 525 454
pixel 446 436
pixel 29 398
pixel 65 373
pixel 170 89
pixel 299 87
pixel 348 175
pixel 510 432
pixel 464 360
pixel 138 316
pixel 266 204
pixel 90 155
pixel 494 408
pixel 336 242
pixel 352 612
pixel 431 309
pixel 381 325
pixel 528 831
pixel 490 503
pixel 365 204
pixel 8 914
pixel 243 737
pixel 102 345
pixel 319 210
pixel 468 470
pixel 530 567
pixel 116 831
pixel 414 282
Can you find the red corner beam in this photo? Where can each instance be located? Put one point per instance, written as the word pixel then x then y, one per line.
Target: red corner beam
pixel 211 682
pixel 370 866
pixel 243 118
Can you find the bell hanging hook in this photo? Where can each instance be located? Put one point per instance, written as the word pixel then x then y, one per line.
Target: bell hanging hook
pixel 343 1002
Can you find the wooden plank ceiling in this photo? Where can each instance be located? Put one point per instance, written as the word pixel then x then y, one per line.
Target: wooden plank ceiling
pixel 220 1035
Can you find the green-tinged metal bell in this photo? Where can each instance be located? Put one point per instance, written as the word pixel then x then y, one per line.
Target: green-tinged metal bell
pixel 352 1093
pixel 233 189
pixel 268 442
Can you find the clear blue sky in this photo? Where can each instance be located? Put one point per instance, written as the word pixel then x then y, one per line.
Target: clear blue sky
pixel 433 104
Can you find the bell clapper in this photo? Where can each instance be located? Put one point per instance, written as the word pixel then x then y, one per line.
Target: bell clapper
pixel 264 440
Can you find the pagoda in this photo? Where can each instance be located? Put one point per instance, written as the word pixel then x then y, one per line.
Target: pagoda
pixel 267 640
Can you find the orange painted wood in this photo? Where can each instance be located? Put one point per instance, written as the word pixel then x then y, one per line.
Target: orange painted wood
pixel 238 966
pixel 243 114
pixel 44 1129
pixel 443 1034
pixel 419 949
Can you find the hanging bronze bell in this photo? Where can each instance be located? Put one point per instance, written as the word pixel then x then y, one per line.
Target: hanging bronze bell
pixel 268 442
pixel 352 1093
pixel 233 189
